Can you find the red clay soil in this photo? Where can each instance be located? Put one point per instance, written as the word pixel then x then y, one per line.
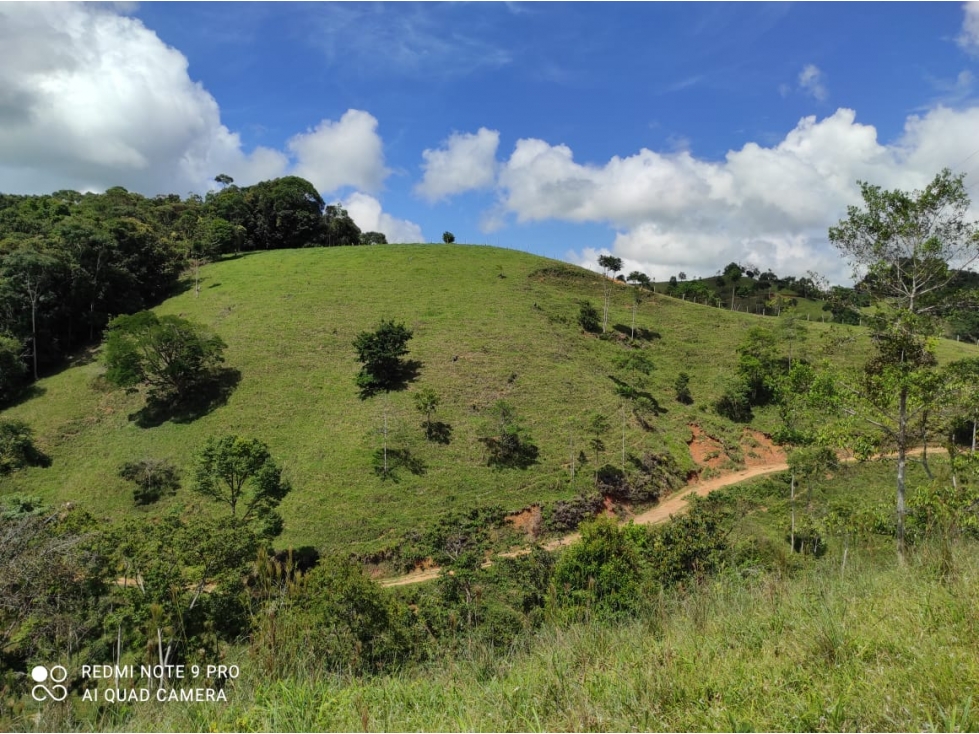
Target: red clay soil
pixel 759 450
pixel 706 450
pixel 527 520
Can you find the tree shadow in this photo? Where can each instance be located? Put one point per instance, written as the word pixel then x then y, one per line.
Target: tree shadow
pixel 406 374
pixel 28 392
pixel 438 432
pixel 642 333
pixel 521 456
pixel 397 459
pixel 642 398
pixel 209 395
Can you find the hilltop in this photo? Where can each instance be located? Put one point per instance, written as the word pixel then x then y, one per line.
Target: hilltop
pixel 488 324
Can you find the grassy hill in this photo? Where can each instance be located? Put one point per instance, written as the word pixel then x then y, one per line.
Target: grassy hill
pixel 488 324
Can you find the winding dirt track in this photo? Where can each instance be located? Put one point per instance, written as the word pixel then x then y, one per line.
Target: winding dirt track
pixel 670 506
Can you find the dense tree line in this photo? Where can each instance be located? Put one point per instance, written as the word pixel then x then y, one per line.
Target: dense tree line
pixel 70 262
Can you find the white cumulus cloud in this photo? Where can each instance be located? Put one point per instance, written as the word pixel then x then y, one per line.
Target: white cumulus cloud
pixel 91 98
pixel 348 152
pixel 465 162
pixel 969 38
pixel 771 206
pixel 366 212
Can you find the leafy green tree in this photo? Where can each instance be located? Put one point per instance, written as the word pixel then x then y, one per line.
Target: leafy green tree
pixel 373 238
pixel 339 228
pixel 17 448
pixel 448 238
pixel 427 402
pixel 28 276
pixel 909 245
pixel 380 352
pixel 608 264
pixel 169 354
pixel 506 438
pixel 12 368
pixel 240 473
pixel 601 573
pixel 285 213
pixel 153 479
pixel 640 279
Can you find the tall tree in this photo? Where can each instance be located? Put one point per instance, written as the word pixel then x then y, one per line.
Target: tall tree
pixel 909 245
pixel 609 264
pixel 241 474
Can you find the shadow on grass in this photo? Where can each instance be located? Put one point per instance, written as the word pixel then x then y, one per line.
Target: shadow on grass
pixel 521 456
pixel 209 395
pixel 407 373
pixel 438 432
pixel 642 334
pixel 642 398
pixel 28 392
pixel 396 460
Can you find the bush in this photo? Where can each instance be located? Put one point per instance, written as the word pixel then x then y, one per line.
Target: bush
pixel 17 448
pixel 566 515
pixel 734 404
pixel 12 368
pixel 602 573
pixel 588 318
pixel 153 479
pixel 682 388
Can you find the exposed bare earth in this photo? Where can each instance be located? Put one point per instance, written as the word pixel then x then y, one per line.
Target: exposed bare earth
pixel 660 513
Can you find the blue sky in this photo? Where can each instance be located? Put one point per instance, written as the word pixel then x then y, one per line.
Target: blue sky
pixel 678 136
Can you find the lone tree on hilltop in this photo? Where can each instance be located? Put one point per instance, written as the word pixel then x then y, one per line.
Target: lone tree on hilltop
pixel 448 238
pixel 380 352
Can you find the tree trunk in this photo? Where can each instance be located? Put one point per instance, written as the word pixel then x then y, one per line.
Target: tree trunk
pixel 792 505
pixel 634 306
pixel 973 435
pixel 902 458
pixel 924 445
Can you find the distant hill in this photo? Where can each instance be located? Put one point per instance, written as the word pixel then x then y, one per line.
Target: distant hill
pixel 489 324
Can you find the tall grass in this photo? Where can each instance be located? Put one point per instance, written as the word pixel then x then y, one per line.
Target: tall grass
pixel 879 647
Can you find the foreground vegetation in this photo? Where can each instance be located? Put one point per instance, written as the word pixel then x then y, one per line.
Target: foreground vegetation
pixel 747 635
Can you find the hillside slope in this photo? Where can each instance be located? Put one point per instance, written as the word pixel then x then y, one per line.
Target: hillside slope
pixel 488 324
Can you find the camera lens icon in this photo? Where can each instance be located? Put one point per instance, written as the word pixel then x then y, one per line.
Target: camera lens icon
pixel 57 675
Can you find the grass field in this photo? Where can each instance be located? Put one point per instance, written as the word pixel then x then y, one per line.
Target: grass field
pixel 814 645
pixel 488 324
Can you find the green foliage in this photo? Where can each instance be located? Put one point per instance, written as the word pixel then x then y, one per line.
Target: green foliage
pixel 20 506
pixel 12 368
pixel 636 361
pixel 427 402
pixel 691 545
pixel 17 449
pixel 340 229
pixel 448 238
pixel 153 478
pixel 171 355
pixel 601 574
pixel 508 442
pixel 240 473
pixel 380 352
pixel 588 318
pixel 373 238
pixel 609 263
pixel 344 621
pixel 284 213
pixel 681 387
pixel 735 403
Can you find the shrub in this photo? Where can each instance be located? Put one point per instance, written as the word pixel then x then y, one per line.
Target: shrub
pixel 566 515
pixel 17 448
pixel 588 318
pixel 153 479
pixel 380 352
pixel 682 388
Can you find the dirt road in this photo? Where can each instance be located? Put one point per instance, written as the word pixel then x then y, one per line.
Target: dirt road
pixel 670 506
